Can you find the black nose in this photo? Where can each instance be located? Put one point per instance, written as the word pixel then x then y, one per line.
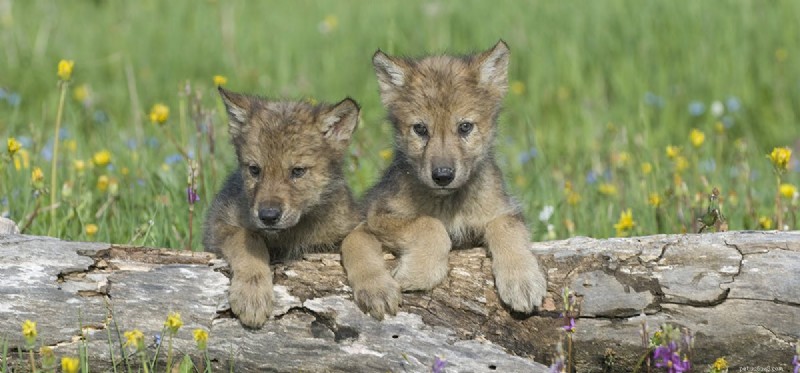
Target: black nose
pixel 270 215
pixel 443 175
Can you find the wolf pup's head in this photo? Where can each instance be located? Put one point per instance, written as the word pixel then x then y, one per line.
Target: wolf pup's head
pixel 444 110
pixel 290 154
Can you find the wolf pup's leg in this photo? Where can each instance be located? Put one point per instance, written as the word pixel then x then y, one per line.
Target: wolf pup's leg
pixel 250 294
pixel 423 246
pixel 519 280
pixel 374 289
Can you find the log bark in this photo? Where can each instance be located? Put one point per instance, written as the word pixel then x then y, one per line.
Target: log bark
pixel 738 292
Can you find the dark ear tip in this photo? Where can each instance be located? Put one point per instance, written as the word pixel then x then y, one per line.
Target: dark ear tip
pixel 350 101
pixel 502 44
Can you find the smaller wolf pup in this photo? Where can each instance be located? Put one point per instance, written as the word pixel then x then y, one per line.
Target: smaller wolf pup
pixel 443 188
pixel 287 197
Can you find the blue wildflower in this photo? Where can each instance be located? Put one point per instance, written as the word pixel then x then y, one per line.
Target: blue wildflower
pixel 173 158
pixel 100 116
pixel 152 142
pixel 47 151
pixel 591 177
pixel 733 104
pixel 63 133
pixel 131 143
pixel 527 155
pixel 708 165
pixel 25 141
pixel 653 99
pixel 696 108
pixel 13 99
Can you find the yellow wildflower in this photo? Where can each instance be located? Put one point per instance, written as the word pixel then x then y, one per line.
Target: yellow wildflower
pixel 101 158
pixel 647 168
pixel 719 128
pixel 697 137
pixel 607 189
pixel 765 222
pixel 102 183
pixel 22 160
pixel 787 190
pixel 13 146
pixel 71 145
pixel 47 356
pixel 720 364
pixel 134 337
pixel 91 229
pixel 81 93
pixel 159 113
pixel 70 364
pixel 37 176
pixel 220 80
pixel 517 87
pixel 622 159
pixel 780 158
pixel 573 197
pixel 625 223
pixel 79 165
pixel 386 154
pixel 201 337
pixel 654 200
pixel 673 151
pixel 65 69
pixel 330 23
pixel 124 171
pixel 173 322
pixel 29 330
pixel 681 163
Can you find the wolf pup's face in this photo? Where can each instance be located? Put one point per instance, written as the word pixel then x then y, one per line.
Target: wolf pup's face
pixel 444 111
pixel 290 154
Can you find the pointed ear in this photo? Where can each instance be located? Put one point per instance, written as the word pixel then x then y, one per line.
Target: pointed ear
pixel 493 66
pixel 391 73
pixel 238 107
pixel 339 122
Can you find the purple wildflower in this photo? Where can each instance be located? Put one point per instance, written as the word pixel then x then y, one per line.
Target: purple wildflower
pixel 668 357
pixel 191 195
pixel 796 364
pixel 570 327
pixel 558 366
pixel 438 365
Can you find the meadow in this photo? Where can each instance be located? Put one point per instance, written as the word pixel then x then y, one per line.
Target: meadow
pixel 622 116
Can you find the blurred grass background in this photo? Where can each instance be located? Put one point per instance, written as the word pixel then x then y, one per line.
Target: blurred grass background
pixel 599 90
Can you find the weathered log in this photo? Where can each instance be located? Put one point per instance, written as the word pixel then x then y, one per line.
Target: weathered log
pixel 739 292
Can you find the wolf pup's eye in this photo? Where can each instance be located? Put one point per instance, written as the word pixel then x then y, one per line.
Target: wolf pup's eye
pixel 298 172
pixel 420 129
pixel 254 170
pixel 464 128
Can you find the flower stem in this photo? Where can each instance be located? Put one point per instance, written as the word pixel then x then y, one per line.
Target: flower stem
pixel 54 168
pixel 778 205
pixel 32 361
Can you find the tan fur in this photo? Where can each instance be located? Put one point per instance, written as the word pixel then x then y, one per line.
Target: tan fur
pixel 411 214
pixel 316 209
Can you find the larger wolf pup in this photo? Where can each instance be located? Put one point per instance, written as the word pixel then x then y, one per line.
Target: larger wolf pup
pixel 443 187
pixel 287 197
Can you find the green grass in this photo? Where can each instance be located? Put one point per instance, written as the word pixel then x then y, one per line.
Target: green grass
pixel 602 80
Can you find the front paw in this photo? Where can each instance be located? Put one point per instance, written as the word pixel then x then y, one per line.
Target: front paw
pixel 251 301
pixel 520 283
pixel 378 295
pixel 422 274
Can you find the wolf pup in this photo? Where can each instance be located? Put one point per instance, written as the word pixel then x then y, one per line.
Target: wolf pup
pixel 287 197
pixel 443 188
